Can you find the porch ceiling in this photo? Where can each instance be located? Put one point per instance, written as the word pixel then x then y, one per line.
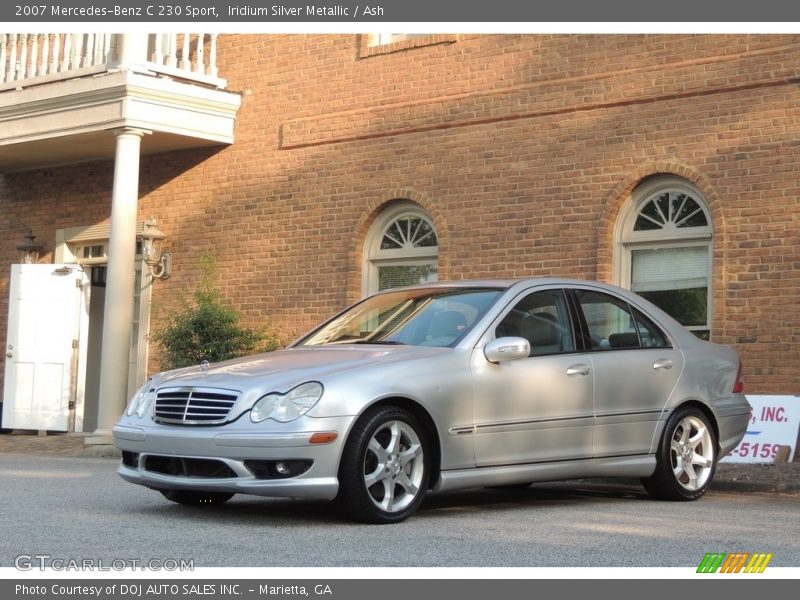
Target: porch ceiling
pixel 84 147
pixel 72 121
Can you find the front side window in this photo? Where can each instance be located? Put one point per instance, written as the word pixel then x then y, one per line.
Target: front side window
pixel 666 242
pixel 541 318
pixel 418 317
pixel 402 249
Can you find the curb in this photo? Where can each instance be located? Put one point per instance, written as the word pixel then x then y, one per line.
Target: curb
pixel 738 486
pixel 753 487
pixel 787 484
pixel 100 451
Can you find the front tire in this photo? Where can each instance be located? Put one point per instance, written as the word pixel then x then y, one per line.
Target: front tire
pixel 385 467
pixel 686 459
pixel 191 498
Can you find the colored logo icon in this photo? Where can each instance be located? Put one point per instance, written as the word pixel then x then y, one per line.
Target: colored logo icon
pixel 737 562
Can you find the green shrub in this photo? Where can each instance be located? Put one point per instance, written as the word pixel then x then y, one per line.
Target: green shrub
pixel 204 328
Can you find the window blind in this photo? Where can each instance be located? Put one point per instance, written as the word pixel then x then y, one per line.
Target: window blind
pixel 669 268
pixel 392 276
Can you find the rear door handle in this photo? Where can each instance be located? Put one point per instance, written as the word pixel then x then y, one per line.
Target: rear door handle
pixel 662 365
pixel 578 370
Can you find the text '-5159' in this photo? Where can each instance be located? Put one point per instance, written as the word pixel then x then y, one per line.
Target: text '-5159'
pixel 757 450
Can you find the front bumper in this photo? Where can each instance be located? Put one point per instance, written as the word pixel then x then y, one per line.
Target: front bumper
pixel 232 445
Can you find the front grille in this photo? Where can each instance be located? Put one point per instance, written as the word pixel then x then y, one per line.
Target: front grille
pixel 194 406
pixel 188 467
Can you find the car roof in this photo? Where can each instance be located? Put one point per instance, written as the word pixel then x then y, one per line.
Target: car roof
pixel 503 283
pixel 676 330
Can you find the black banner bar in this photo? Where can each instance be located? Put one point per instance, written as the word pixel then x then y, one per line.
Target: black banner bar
pixel 387 589
pixel 407 11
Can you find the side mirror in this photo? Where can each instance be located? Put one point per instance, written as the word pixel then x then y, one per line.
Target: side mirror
pixel 506 348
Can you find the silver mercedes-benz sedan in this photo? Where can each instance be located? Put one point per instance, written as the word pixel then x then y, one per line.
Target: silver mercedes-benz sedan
pixel 446 386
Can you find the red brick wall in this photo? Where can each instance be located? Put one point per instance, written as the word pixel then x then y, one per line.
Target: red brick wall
pixel 522 148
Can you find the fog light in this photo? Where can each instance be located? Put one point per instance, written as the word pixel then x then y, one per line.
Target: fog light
pixel 277 469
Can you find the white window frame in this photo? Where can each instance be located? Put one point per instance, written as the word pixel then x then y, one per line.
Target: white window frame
pixel 626 239
pixel 375 256
pixel 386 39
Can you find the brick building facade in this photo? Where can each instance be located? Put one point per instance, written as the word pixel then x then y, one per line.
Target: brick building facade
pixel 523 151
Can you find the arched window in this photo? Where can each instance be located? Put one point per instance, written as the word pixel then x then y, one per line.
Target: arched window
pixel 664 243
pixel 401 249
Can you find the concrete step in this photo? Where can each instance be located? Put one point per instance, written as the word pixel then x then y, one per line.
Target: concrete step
pixel 68 444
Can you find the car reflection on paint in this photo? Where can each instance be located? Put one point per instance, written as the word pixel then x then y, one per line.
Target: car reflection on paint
pixel 446 386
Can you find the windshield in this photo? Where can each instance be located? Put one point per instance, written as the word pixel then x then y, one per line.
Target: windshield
pixel 418 317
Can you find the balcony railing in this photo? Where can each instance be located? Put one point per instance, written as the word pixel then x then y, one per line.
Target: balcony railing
pixel 28 59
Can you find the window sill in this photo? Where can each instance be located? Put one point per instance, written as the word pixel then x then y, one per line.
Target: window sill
pixel 365 49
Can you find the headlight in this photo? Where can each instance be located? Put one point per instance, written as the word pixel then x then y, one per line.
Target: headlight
pixel 287 407
pixel 142 400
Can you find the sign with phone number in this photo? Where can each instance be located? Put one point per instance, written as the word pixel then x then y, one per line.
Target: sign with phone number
pixel 774 424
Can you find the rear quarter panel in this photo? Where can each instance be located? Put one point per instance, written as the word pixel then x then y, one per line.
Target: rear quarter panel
pixel 709 377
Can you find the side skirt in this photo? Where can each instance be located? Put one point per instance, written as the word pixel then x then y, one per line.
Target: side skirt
pixel 615 466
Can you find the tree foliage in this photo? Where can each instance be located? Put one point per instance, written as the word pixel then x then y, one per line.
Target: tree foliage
pixel 205 328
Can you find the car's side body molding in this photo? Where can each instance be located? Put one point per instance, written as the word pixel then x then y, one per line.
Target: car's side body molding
pixel 614 466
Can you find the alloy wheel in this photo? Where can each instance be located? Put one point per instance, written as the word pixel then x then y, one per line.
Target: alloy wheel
pixel 394 466
pixel 692 453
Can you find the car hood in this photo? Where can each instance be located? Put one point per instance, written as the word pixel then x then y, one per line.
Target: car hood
pixel 283 369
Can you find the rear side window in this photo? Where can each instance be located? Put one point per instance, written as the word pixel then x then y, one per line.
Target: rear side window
pixel 614 325
pixel 609 320
pixel 649 333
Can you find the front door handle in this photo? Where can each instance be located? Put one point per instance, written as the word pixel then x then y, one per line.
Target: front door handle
pixel 662 365
pixel 578 369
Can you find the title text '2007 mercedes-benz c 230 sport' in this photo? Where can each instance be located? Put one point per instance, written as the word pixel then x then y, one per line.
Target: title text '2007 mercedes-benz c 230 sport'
pixel 446 386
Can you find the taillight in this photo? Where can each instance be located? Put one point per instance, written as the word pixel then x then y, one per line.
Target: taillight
pixel 738 387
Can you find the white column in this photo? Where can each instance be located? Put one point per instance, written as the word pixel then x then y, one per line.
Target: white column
pixel 131 49
pixel 118 312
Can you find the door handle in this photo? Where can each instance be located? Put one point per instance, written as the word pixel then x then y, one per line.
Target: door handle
pixel 662 365
pixel 578 370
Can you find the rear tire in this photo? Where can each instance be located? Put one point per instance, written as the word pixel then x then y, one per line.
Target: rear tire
pixel 191 498
pixel 686 458
pixel 385 467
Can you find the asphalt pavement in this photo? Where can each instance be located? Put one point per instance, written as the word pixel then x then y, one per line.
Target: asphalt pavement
pixel 76 507
pixel 733 477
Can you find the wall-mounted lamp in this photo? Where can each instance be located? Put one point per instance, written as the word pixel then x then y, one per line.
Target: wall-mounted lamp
pixel 159 263
pixel 29 250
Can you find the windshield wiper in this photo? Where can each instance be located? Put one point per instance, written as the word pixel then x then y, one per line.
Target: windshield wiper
pixel 381 342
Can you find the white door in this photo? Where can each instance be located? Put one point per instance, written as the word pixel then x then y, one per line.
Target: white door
pixel 44 311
